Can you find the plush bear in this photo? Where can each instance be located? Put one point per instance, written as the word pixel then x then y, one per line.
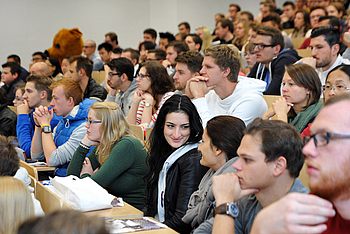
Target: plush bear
pixel 66 43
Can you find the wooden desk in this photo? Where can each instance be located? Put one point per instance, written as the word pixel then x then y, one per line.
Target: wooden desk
pixel 44 168
pixel 125 212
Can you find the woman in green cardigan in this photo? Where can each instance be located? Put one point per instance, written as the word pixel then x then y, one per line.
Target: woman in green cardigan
pixel 118 163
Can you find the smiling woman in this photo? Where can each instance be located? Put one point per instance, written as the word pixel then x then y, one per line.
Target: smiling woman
pixel 175 171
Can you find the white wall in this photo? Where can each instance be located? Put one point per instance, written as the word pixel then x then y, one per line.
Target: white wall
pixel 30 25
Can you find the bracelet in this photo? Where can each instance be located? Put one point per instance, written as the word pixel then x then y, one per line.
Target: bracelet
pixel 84 146
pixel 39 126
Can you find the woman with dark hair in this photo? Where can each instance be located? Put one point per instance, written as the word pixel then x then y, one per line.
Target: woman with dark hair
pixel 337 82
pixel 175 171
pixel 154 88
pixel 55 68
pixel 301 91
pixel 218 153
pixel 301 24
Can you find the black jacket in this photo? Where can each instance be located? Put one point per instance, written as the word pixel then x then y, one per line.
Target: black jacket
pixel 8 120
pixel 9 92
pixel 277 68
pixel 95 90
pixel 182 180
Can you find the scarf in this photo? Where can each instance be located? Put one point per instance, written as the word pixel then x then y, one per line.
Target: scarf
pixel 304 117
pixel 162 176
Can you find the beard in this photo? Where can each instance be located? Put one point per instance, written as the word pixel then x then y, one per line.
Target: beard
pixel 335 185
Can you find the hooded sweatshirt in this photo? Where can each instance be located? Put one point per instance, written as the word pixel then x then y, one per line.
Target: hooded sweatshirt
pixel 273 73
pixel 246 102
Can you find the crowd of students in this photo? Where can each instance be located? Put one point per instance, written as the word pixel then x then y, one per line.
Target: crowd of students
pixel 217 159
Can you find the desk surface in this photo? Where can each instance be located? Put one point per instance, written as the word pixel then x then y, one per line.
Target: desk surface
pixel 125 212
pixel 44 168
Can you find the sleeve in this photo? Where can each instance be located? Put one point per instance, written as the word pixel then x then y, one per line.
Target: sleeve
pixel 203 110
pixel 64 153
pixel 8 126
pixel 205 227
pixel 76 164
pixel 110 98
pixel 120 160
pixel 24 131
pixel 189 181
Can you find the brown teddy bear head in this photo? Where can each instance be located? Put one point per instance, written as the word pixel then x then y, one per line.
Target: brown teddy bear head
pixel 66 43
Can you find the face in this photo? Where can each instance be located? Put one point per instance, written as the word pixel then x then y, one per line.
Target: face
pixel 191 44
pixel 288 11
pixel 181 76
pixel 73 73
pixel 239 31
pixel 151 57
pixel 251 34
pixel 327 165
pixel 143 80
pixel 233 11
pixel 299 20
pixel 209 156
pixel 148 37
pixel 250 58
pixel 252 170
pixel 105 55
pixel 6 76
pixel 32 95
pixel 332 11
pixel 37 58
pixel 176 129
pixel 183 30
pixel 61 105
pixel 127 55
pixel 264 55
pixel 93 129
pixel 114 80
pixel 322 52
pixel 108 40
pixel 293 93
pixel 314 16
pixel 88 49
pixel 171 54
pixel 339 83
pixel 212 71
pixel 220 32
pixel 65 66
pixel 264 10
pixel 163 42
pixel 18 98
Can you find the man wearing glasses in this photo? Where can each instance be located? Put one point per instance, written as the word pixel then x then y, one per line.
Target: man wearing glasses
pixel 271 59
pixel 327 208
pixel 89 51
pixel 122 83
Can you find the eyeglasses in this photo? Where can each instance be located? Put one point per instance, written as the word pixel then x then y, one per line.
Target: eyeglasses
pixel 336 88
pixel 110 74
pixel 89 121
pixel 142 76
pixel 261 46
pixel 322 139
pixel 86 46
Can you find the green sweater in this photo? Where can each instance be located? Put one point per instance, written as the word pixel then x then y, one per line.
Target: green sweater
pixel 121 174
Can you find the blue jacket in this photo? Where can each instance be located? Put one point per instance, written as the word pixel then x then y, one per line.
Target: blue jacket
pixel 25 130
pixel 64 130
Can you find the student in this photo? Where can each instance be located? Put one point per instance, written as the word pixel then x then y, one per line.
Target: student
pixel 219 152
pixel 119 157
pixel 337 82
pixel 175 171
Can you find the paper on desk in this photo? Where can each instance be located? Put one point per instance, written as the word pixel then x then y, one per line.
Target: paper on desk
pixel 38 164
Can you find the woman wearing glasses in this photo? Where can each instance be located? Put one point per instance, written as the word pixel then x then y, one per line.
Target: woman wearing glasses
pixel 175 171
pixel 154 87
pixel 337 82
pixel 301 91
pixel 119 161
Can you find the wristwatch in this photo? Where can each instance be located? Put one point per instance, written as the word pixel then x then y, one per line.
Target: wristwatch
pixel 229 208
pixel 46 128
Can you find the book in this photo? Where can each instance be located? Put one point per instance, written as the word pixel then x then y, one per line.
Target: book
pixel 132 225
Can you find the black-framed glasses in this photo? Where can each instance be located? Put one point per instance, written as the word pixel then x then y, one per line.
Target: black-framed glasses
pixel 322 139
pixel 110 74
pixel 142 76
pixel 261 46
pixel 89 121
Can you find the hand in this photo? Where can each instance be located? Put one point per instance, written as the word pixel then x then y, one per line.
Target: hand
pixel 196 87
pixel 309 61
pixel 166 63
pixel 226 188
pixel 88 142
pixel 137 97
pixel 294 213
pixel 87 167
pixel 43 115
pixel 281 108
pixel 148 98
pixel 23 108
pixel 269 114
